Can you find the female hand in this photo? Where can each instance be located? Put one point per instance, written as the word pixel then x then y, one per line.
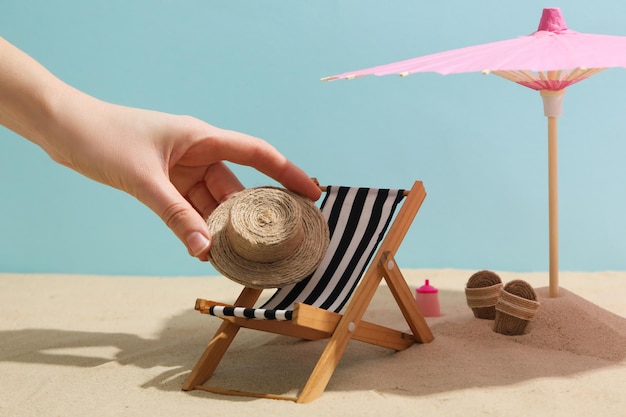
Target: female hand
pixel 173 164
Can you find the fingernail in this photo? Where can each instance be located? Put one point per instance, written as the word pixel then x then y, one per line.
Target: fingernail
pixel 197 243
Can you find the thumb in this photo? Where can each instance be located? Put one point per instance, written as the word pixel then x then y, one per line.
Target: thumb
pixel 180 216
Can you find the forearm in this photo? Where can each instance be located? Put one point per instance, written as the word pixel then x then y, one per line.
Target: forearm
pixel 32 99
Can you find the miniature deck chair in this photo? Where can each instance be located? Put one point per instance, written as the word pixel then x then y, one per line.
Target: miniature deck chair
pixel 358 219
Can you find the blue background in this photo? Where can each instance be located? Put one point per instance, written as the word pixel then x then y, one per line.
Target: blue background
pixel 478 142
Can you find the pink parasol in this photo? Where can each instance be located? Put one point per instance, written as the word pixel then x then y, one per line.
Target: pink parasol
pixel 548 60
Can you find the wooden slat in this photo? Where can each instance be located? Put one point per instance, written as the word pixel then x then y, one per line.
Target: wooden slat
pixel 324 188
pixel 327 321
pixel 284 328
pixel 315 318
pixel 312 323
pixel 281 327
pixel 218 345
pixel 203 306
pixel 224 391
pixel 383 336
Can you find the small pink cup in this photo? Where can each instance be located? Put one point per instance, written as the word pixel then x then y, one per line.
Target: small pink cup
pixel 427 299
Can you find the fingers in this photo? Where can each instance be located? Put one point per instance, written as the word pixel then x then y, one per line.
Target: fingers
pixel 179 215
pixel 218 184
pixel 248 150
pixel 202 200
pixel 298 181
pixel 262 156
pixel 198 181
pixel 221 182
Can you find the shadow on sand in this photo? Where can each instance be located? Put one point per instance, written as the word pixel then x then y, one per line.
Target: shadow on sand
pixel 569 336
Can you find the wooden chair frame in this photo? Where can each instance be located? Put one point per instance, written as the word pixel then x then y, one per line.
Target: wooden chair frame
pixel 312 323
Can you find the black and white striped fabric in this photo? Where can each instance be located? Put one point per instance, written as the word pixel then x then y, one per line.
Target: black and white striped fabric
pixel 358 219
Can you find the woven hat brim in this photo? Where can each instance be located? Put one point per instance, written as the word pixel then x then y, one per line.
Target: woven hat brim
pixel 291 269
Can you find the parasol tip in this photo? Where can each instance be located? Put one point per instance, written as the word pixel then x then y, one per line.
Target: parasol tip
pixel 552 20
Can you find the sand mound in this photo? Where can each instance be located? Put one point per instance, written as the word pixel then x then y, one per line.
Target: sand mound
pixel 566 323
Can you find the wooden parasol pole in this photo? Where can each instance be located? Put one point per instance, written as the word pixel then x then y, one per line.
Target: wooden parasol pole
pixel 552 110
pixel 553 205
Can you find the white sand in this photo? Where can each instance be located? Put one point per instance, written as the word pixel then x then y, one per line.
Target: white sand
pixel 113 346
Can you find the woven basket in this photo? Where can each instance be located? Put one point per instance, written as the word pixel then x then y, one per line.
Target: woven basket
pixel 482 292
pixel 516 308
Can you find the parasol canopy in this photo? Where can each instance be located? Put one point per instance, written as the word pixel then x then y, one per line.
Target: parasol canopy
pixel 549 60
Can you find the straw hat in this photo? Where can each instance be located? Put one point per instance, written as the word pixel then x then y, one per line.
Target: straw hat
pixel 267 237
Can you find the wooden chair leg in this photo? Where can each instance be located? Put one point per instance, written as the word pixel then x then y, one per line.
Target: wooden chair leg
pixel 319 378
pixel 338 342
pixel 212 355
pixel 401 292
pixel 216 349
